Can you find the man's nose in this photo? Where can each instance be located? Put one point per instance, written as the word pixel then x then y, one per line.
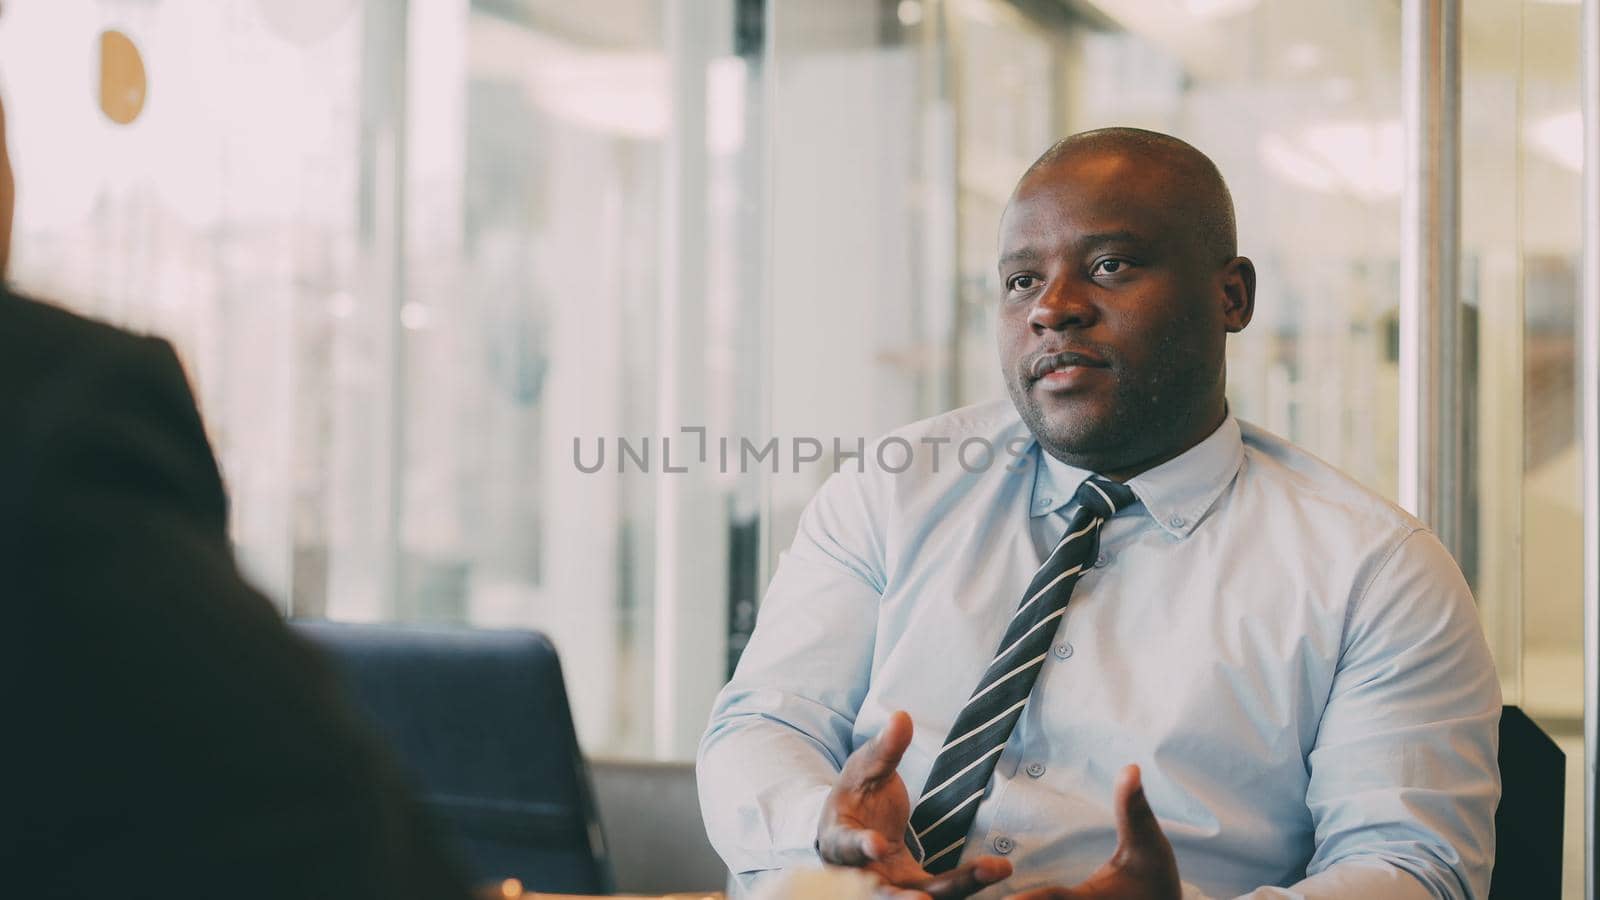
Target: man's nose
pixel 1059 308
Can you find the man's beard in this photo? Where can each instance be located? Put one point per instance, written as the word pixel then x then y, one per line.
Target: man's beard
pixel 1144 420
pixel 1075 437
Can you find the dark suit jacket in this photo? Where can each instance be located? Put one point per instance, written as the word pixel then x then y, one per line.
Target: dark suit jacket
pixel 166 734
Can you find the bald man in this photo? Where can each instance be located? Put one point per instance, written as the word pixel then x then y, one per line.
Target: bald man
pixel 1148 651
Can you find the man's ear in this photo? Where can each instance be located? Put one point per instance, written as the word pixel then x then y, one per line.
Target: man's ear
pixel 1238 293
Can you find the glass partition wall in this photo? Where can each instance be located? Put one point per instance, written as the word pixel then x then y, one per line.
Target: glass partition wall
pixel 410 254
pixel 549 314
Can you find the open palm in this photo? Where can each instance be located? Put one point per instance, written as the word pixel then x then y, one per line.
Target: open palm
pixel 864 821
pixel 1143 866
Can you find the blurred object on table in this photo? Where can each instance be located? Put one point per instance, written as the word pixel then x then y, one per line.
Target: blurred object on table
pixel 825 883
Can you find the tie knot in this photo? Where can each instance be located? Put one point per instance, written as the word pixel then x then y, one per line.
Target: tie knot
pixel 1103 496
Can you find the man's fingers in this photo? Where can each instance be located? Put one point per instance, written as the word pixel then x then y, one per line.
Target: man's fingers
pixel 968 879
pixel 844 846
pixel 882 754
pixel 1137 827
pixel 874 846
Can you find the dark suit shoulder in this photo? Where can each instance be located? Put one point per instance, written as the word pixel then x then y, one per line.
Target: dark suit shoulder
pixel 44 349
pixel 63 373
pixel 38 331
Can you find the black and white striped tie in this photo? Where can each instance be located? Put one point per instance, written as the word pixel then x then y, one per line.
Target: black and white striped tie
pixel 960 774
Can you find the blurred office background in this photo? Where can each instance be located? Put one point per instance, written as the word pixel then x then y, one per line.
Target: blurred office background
pixel 412 251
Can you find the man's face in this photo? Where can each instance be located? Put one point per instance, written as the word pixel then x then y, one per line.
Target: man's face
pixel 1113 315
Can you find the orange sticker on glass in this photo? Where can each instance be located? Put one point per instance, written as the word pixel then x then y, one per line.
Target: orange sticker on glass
pixel 122 79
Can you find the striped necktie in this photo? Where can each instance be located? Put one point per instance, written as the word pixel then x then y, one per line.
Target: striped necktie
pixel 960 774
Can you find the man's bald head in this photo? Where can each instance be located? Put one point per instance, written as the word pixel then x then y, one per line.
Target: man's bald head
pixel 1194 186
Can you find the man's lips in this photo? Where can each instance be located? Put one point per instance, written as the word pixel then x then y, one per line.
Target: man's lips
pixel 1063 363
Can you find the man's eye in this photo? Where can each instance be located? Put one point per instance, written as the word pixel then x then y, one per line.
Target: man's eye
pixel 1023 282
pixel 1109 266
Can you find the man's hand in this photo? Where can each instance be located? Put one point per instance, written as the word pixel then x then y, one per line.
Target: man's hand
pixel 1142 868
pixel 864 822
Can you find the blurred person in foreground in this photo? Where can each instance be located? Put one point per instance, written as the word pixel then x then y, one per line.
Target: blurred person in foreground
pixel 1161 653
pixel 167 735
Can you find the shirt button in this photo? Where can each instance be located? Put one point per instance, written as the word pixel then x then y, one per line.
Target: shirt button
pixel 1176 521
pixel 1043 502
pixel 1004 845
pixel 1036 769
pixel 1101 560
pixel 1063 650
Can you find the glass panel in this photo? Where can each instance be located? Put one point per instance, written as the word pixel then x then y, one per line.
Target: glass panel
pixel 863 222
pixel 1521 232
pixel 222 218
pixel 412 252
pixel 1493 326
pixel 534 159
pixel 1550 178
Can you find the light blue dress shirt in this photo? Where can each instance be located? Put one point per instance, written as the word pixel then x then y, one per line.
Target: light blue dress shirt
pixel 1295 664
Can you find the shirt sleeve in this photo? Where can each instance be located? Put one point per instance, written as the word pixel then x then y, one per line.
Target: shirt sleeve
pixel 1374 880
pixel 782 728
pixel 1404 773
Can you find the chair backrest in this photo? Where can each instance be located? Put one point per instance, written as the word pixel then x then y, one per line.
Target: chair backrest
pixel 480 719
pixel 1529 823
pixel 652 815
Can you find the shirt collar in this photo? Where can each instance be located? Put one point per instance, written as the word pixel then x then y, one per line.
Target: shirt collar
pixel 1054 483
pixel 1177 494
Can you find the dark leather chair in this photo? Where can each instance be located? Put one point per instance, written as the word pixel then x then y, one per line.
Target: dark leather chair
pixel 480 719
pixel 1529 823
